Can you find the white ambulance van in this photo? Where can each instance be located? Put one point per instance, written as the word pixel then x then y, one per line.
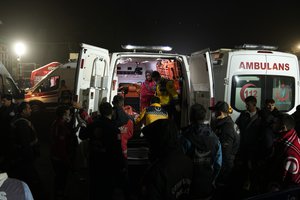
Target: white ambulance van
pixel 8 85
pixel 101 75
pixel 45 94
pixel 256 70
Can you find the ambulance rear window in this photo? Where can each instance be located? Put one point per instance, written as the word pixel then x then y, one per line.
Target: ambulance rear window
pixel 279 88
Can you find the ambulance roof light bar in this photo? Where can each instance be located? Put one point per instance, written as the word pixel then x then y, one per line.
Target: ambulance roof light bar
pixel 257 46
pixel 147 48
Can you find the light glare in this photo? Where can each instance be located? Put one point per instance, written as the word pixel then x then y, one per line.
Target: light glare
pixel 20 48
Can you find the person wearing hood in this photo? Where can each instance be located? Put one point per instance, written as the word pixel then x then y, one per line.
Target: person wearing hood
pixel 170 173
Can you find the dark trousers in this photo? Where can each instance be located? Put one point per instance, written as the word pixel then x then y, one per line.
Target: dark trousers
pixel 172 113
pixel 61 172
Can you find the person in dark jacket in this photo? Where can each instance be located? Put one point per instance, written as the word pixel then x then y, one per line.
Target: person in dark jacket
pixel 25 150
pixel 170 173
pixel 225 130
pixel 202 145
pixel 126 125
pixel 249 124
pixel 8 111
pixel 106 160
pixel 296 116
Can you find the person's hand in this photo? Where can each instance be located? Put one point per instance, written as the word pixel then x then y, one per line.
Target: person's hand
pixel 177 107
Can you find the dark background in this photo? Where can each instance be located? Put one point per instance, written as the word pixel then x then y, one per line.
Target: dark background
pixel 52 29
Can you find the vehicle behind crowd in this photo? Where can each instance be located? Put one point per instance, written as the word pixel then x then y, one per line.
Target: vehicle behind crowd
pixel 101 75
pixel 46 93
pixel 8 85
pixel 256 70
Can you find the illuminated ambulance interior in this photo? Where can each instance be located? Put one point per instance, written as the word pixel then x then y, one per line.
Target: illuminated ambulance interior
pixel 131 73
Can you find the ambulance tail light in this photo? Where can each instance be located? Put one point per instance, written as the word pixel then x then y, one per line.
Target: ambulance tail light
pixel 81 63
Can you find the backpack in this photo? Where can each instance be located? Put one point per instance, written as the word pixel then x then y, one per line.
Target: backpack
pixel 202 153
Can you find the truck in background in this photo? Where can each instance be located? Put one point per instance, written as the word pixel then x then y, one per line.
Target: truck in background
pixel 8 85
pixel 45 94
pixel 256 70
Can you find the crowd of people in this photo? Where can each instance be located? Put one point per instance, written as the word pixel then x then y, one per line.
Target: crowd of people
pixel 256 154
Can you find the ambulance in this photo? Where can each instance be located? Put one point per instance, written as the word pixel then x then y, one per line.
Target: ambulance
pixel 101 75
pixel 8 85
pixel 45 93
pixel 256 70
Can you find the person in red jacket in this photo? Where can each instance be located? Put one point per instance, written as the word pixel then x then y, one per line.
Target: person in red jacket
pixel 60 150
pixel 147 91
pixel 284 166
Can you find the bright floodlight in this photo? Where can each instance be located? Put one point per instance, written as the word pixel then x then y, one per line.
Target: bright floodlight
pixel 20 48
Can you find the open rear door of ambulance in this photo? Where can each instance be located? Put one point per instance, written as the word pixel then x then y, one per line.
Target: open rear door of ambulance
pixel 92 83
pixel 201 80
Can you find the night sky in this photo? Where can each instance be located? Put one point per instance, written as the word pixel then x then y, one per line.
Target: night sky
pixel 51 29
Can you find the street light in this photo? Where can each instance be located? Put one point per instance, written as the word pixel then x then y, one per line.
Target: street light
pixel 20 49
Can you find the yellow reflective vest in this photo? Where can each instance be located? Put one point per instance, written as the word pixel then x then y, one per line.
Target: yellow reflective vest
pixel 166 91
pixel 152 113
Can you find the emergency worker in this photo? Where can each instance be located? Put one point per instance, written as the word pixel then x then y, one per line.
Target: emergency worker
pixel 152 113
pixel 147 91
pixel 169 99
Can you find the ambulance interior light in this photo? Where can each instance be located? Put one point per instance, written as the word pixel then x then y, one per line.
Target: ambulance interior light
pixel 147 48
